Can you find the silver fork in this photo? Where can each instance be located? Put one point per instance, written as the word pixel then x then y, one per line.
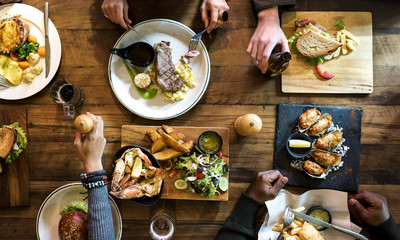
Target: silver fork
pixel 195 40
pixel 4 82
pixel 288 218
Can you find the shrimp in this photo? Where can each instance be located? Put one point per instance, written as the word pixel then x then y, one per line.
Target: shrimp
pixel 118 174
pixel 143 156
pixel 133 191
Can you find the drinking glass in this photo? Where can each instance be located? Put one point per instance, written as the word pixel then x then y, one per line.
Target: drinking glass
pixel 162 223
pixel 68 95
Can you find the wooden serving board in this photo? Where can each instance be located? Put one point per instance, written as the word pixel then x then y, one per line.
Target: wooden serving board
pixel 14 181
pixel 134 134
pixel 353 72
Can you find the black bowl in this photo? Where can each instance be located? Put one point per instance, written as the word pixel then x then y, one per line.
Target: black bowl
pixel 142 201
pixel 216 135
pixel 323 209
pixel 299 152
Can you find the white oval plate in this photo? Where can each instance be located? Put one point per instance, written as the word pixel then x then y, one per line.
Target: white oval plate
pixel 49 213
pixel 152 31
pixel 34 18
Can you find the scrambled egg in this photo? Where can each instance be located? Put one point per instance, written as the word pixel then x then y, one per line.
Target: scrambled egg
pixel 182 70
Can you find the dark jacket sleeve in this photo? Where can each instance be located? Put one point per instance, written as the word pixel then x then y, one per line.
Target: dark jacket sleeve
pixel 259 5
pixel 240 224
pixel 100 222
pixel 387 230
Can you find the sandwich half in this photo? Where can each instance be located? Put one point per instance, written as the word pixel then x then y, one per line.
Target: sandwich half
pixel 12 142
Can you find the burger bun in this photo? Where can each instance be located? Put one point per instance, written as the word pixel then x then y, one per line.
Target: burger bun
pixel 73 226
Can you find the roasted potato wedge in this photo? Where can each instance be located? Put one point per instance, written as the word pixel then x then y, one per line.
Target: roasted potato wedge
pixel 167 129
pixel 160 143
pixel 153 135
pixel 173 143
pixel 172 153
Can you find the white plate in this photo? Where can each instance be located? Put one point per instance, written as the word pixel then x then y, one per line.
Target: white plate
pixel 34 18
pixel 49 213
pixel 152 31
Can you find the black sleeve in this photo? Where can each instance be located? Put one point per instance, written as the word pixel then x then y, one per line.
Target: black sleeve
pixel 387 230
pixel 259 5
pixel 240 224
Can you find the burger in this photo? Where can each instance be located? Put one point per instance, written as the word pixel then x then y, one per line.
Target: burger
pixel 73 223
pixel 12 142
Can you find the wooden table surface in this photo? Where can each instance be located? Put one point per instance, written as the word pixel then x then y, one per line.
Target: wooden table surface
pixel 236 87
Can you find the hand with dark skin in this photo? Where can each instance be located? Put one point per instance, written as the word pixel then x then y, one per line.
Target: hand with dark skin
pixel 90 146
pixel 261 188
pixel 267 35
pixel 370 208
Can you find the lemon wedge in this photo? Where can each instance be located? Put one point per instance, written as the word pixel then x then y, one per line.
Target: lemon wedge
pixel 137 168
pixel 297 143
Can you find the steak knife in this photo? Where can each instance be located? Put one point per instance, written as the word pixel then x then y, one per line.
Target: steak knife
pixel 328 225
pixel 46 39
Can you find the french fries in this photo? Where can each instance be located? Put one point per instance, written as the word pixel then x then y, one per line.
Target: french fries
pixel 167 129
pixel 172 153
pixel 160 143
pixel 173 143
pixel 348 41
pixel 153 135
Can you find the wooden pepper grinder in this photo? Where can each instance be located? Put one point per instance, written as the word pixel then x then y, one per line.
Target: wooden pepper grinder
pixel 248 124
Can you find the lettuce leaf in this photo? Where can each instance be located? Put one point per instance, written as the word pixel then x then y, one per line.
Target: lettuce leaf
pixel 74 207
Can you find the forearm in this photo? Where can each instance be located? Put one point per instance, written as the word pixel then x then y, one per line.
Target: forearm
pixel 387 230
pixel 240 224
pixel 259 5
pixel 100 223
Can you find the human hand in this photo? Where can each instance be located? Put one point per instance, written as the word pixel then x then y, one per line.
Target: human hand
pixel 116 11
pixel 267 35
pixel 261 188
pixel 216 7
pixel 90 146
pixel 369 207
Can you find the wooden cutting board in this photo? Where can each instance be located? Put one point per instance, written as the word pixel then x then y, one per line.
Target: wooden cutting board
pixel 14 181
pixel 353 71
pixel 134 134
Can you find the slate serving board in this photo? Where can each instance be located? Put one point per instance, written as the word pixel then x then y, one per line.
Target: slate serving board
pixel 344 179
pixel 14 181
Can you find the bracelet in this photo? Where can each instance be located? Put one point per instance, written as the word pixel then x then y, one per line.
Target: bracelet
pixel 94 179
pixel 94 184
pixel 93 174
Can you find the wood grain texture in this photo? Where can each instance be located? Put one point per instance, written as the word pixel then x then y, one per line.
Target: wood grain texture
pixel 136 135
pixel 236 88
pixel 353 71
pixel 14 187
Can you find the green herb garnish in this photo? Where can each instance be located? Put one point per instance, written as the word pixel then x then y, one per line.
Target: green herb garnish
pixel 340 24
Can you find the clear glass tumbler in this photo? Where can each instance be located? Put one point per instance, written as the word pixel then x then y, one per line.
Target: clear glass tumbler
pixel 68 95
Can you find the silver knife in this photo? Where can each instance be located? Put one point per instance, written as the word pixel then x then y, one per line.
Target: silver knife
pixel 328 225
pixel 46 39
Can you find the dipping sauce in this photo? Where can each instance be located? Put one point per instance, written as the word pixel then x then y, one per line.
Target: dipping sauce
pixel 210 142
pixel 320 213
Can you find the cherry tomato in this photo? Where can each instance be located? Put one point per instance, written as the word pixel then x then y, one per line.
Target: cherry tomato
pixel 172 173
pixel 220 154
pixel 325 74
pixel 200 175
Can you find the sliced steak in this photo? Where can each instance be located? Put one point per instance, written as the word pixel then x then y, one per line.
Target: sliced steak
pixel 166 75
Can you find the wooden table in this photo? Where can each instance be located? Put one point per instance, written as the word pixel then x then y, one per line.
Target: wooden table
pixel 236 87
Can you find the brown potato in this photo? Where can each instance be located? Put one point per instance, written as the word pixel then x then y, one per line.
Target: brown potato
pixel 160 143
pixel 173 143
pixel 172 153
pixel 167 129
pixel 153 135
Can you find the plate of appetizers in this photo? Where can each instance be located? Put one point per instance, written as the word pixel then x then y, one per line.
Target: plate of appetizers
pixel 156 100
pixel 332 158
pixel 36 80
pixel 69 195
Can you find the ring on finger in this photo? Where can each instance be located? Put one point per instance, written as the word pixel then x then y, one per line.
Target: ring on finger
pixel 106 16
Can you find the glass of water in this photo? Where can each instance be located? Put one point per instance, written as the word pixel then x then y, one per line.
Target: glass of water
pixel 68 95
pixel 162 223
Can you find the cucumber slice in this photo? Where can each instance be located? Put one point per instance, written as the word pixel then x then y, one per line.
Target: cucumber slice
pixel 180 184
pixel 223 184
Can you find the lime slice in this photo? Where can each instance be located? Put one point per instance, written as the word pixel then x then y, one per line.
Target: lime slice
pixel 297 143
pixel 137 167
pixel 180 184
pixel 223 184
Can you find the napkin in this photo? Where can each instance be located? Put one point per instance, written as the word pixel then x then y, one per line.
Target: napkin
pixel 334 201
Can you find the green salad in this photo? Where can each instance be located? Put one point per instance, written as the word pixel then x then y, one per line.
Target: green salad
pixel 80 206
pixel 203 174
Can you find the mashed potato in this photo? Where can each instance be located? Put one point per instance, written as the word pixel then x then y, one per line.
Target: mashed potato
pixel 182 70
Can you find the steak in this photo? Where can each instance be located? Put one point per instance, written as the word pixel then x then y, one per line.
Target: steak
pixel 166 75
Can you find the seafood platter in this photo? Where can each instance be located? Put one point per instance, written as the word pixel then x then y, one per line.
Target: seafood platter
pixel 333 156
pixel 175 163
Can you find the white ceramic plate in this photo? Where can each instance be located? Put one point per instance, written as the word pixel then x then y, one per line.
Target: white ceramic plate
pixel 152 31
pixel 34 17
pixel 49 213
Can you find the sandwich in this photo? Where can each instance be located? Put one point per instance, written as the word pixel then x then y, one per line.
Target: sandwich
pixel 74 222
pixel 12 142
